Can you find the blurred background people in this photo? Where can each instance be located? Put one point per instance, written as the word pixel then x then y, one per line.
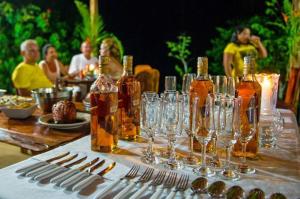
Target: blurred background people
pixel 81 61
pixel 50 64
pixel 242 44
pixel 110 48
pixel 28 75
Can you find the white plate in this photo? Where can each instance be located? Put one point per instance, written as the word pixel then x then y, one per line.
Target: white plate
pixel 45 120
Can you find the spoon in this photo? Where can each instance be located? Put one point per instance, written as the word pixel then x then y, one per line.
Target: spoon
pixel 235 192
pixel 256 194
pixel 217 189
pixel 199 185
pixel 277 196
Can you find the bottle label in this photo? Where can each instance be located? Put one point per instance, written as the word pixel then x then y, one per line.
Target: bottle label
pixel 250 114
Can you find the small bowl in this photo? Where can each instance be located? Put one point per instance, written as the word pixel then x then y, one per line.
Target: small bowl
pixel 47 97
pixel 2 92
pixel 18 113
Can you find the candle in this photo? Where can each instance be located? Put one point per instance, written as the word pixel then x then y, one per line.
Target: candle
pixel 266 94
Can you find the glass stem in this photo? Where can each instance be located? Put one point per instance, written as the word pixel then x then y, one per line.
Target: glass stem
pixel 244 146
pixel 150 146
pixel 227 164
pixel 172 148
pixel 203 153
pixel 191 146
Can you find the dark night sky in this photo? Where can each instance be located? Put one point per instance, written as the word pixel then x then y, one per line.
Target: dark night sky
pixel 144 26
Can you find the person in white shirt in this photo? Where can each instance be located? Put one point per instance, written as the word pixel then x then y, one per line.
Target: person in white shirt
pixel 80 61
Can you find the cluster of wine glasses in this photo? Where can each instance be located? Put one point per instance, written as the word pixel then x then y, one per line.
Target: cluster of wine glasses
pixel 219 119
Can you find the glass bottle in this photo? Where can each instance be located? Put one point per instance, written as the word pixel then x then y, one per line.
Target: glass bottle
pixel 129 102
pixel 200 87
pixel 104 115
pixel 247 88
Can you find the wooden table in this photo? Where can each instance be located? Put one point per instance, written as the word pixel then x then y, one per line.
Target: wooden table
pixel 34 138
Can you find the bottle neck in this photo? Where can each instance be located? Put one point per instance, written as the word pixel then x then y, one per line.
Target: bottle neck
pixel 127 70
pixel 202 73
pixel 248 73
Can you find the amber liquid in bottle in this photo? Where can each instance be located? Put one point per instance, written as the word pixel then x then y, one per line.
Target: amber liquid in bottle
pixel 129 102
pixel 104 115
pixel 247 88
pixel 200 87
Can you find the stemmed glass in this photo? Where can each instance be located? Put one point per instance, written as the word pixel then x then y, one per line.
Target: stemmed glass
pixel 170 83
pixel 247 129
pixel 205 128
pixel 149 121
pixel 229 127
pixel 186 82
pixel 171 118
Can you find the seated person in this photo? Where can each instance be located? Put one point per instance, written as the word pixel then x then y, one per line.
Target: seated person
pixel 28 75
pixel 51 66
pixel 80 61
pixel 110 48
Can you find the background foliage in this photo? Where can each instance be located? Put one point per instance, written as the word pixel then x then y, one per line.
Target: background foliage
pixel 30 22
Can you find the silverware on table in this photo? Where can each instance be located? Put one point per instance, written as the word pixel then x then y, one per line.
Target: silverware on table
pixel 199 185
pixel 42 163
pixel 58 169
pixel 277 196
pixel 86 182
pixel 217 189
pixel 79 176
pixel 235 192
pixel 256 193
pixel 130 175
pixel 158 180
pixel 63 176
pixel 49 166
pixel 143 179
pixel 181 186
pixel 169 183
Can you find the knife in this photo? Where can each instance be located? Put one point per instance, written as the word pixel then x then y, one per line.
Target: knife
pixel 39 164
pixel 49 166
pixel 86 182
pixel 63 176
pixel 58 169
pixel 79 176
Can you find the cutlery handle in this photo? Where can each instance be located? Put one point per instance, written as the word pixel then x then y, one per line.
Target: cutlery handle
pixel 39 170
pixel 84 183
pixel 49 173
pixel 31 167
pixel 157 193
pixel 125 191
pixel 140 191
pixel 107 189
pixel 171 194
pixel 74 179
pixel 63 176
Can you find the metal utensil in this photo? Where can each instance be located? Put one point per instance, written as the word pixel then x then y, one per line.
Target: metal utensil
pixel 79 176
pixel 58 169
pixel 86 182
pixel 49 166
pixel 235 192
pixel 217 189
pixel 63 176
pixel 256 194
pixel 158 180
pixel 199 185
pixel 181 186
pixel 130 175
pixel 39 164
pixel 169 183
pixel 143 179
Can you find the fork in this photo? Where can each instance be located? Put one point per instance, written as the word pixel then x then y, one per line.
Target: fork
pixel 181 186
pixel 143 179
pixel 158 180
pixel 169 183
pixel 130 175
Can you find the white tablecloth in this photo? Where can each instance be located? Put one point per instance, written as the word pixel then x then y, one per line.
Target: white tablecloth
pixel 277 170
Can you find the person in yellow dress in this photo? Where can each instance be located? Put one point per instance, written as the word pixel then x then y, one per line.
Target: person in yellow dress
pixel 28 75
pixel 242 44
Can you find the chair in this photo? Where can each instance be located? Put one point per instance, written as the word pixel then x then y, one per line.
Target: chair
pixel 148 77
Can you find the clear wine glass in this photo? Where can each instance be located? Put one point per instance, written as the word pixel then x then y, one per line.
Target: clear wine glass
pixel 170 83
pixel 186 82
pixel 191 129
pixel 171 119
pixel 149 118
pixel 205 128
pixel 229 127
pixel 247 130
